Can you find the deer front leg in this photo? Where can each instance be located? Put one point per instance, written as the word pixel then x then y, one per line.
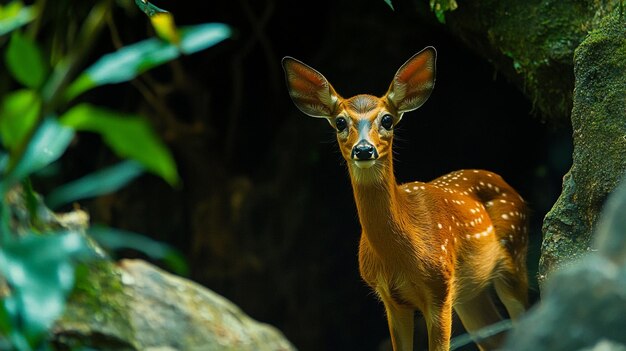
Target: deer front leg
pixel 400 322
pixel 439 324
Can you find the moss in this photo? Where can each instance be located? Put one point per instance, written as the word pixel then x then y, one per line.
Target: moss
pixel 598 117
pixel 98 303
pixel 532 43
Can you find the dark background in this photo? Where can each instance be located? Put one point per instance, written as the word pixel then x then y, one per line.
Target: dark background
pixel 265 214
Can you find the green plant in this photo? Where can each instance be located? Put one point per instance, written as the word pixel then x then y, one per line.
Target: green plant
pixel 38 121
pixel 439 7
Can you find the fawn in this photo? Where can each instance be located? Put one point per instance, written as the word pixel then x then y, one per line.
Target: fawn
pixel 433 246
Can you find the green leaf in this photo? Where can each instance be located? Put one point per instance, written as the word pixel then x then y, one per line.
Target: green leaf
pixel 202 36
pixel 132 60
pixel 147 8
pixel 18 116
pixel 162 21
pixel 388 2
pixel 116 239
pixel 441 16
pixel 47 144
pixel 439 7
pixel 99 183
pixel 130 136
pixel 5 321
pixel 25 61
pixel 15 15
pixel 40 271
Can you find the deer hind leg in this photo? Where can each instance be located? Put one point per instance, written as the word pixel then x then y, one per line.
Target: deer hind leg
pixel 511 280
pixel 512 289
pixel 439 325
pixel 479 312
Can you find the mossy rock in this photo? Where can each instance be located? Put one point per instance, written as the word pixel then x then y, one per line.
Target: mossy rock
pixel 97 311
pixel 599 157
pixel 136 306
pixel 532 43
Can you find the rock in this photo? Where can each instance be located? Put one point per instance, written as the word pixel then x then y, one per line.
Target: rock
pixel 598 121
pixel 531 42
pixel 136 306
pixel 605 345
pixel 584 304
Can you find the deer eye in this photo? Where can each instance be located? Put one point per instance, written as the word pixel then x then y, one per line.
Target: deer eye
pixel 387 122
pixel 341 124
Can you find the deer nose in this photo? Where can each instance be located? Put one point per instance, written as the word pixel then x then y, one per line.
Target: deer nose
pixel 363 151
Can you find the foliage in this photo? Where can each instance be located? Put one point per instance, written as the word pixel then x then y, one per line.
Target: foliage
pixel 439 7
pixel 37 255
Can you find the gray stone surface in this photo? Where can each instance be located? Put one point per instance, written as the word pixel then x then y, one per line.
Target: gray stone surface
pixel 136 306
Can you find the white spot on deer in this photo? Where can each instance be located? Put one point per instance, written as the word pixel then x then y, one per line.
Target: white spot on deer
pixel 481 183
pixel 407 190
pixel 439 225
pixel 505 216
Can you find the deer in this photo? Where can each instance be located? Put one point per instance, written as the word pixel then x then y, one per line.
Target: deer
pixel 455 243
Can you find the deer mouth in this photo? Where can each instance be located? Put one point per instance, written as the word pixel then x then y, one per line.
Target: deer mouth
pixel 363 164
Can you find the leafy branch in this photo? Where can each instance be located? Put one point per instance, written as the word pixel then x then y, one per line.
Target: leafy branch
pixel 38 121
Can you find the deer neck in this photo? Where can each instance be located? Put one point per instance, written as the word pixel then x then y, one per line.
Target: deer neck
pixel 381 207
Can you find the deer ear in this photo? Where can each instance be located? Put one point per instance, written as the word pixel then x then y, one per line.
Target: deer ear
pixel 309 90
pixel 414 81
